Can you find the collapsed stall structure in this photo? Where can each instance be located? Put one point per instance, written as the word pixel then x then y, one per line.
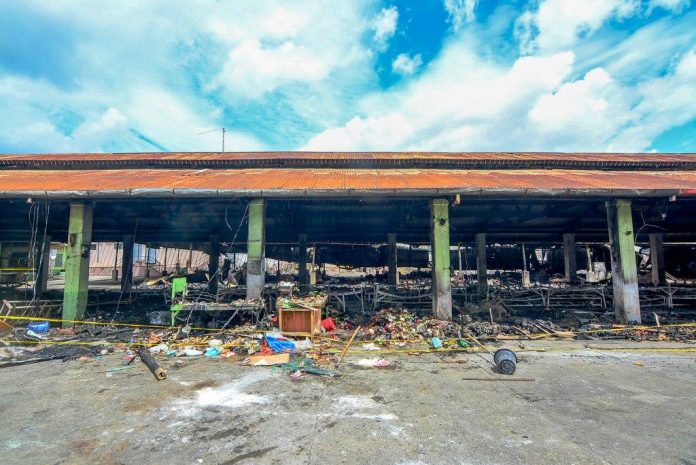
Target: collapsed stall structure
pixel 421 206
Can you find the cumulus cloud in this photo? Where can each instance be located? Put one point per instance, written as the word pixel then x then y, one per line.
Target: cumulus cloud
pixel 253 69
pixel 405 65
pixel 384 26
pixel 460 12
pixel 220 68
pixel 559 23
pixel 287 75
pixel 673 5
pixel 536 104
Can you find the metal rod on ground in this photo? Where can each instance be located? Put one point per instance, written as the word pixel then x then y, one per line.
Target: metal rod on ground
pixel 152 364
pixel 499 379
pixel 350 341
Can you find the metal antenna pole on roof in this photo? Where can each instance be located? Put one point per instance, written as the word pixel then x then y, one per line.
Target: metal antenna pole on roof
pixel 213 130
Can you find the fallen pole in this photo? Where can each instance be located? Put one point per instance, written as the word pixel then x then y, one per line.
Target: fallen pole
pixel 152 364
pixel 350 341
pixel 500 379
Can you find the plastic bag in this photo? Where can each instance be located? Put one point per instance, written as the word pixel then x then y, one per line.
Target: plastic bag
pixel 279 344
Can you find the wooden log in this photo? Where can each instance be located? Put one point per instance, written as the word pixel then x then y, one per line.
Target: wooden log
pixel 345 349
pixel 152 364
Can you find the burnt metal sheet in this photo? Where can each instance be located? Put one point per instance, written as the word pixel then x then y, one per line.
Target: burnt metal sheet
pixel 305 182
pixel 381 160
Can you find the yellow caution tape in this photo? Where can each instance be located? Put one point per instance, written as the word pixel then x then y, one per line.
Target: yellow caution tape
pixel 130 325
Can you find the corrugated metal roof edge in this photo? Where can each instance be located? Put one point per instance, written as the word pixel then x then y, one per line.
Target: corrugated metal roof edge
pixel 300 193
pixel 359 160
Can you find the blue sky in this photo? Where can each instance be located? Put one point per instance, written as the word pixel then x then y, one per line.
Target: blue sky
pixel 454 75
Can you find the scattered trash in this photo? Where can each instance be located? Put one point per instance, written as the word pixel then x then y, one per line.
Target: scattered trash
pixel 312 370
pixel 370 346
pixel 159 348
pixel 31 333
pixel 268 360
pixel 295 375
pixel 373 362
pixel 39 326
pixel 189 352
pixel 436 342
pixel 304 344
pixel 213 352
pixel 328 324
pixel 278 343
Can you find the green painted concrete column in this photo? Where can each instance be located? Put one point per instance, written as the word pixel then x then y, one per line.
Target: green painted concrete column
pixel 624 273
pixel 440 245
pixel 77 262
pixel 256 249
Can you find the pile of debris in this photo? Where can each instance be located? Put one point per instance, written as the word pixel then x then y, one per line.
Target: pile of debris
pixel 399 325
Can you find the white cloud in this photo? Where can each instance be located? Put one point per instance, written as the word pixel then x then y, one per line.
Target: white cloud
pixel 150 112
pixel 406 65
pixel 280 75
pixel 676 6
pixel 451 105
pixel 560 23
pixel 384 26
pixel 524 30
pixel 460 12
pixel 219 62
pixel 253 70
pixel 463 102
pixel 662 103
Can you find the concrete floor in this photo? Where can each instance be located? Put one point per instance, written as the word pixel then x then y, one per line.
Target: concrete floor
pixel 584 407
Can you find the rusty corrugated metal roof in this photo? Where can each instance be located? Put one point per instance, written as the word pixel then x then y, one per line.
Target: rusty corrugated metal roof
pixel 385 160
pixel 329 181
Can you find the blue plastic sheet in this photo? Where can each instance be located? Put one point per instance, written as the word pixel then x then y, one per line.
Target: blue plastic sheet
pixel 280 344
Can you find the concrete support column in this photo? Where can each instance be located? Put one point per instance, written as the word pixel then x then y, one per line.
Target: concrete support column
pixel 77 262
pixel 526 282
pixel 624 273
pixel 657 259
pixel 256 249
pixel 127 264
pixel 569 258
pixel 392 262
pixel 213 264
pixel 481 260
pixel 440 243
pixel 43 257
pixel 303 274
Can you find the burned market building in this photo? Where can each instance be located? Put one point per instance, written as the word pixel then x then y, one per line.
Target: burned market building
pixel 542 231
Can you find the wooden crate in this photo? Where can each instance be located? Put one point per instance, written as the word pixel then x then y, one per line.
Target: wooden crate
pixel 299 321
